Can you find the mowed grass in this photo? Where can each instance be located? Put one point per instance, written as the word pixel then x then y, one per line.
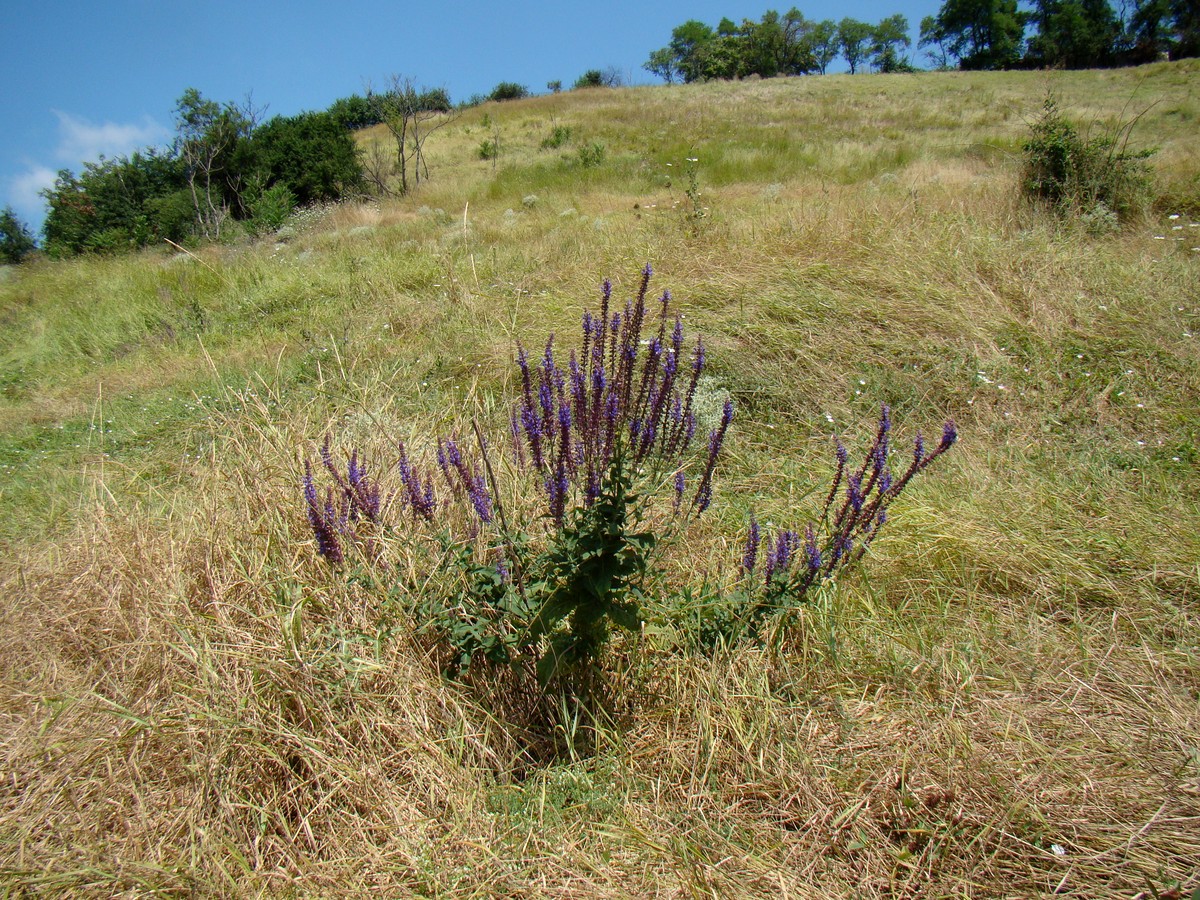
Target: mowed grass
pixel 1003 702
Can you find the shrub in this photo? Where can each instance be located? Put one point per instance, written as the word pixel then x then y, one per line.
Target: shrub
pixel 557 137
pixel 1078 175
pixel 16 242
pixel 311 154
pixel 508 90
pixel 589 79
pixel 270 209
pixel 591 155
pixel 489 148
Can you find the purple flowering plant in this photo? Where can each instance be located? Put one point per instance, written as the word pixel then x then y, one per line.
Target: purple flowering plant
pixel 596 431
pixel 597 434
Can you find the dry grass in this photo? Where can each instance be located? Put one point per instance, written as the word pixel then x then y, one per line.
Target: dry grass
pixel 1005 703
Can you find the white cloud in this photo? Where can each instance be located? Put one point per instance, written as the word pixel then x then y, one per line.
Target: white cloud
pixel 25 188
pixel 80 140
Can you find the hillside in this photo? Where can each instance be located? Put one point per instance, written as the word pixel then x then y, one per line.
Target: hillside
pixel 1003 700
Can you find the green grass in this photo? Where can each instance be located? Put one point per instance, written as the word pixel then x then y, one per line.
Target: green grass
pixel 195 704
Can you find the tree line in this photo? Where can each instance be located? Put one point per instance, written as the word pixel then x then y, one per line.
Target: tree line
pixel 969 34
pixel 225 168
pixel 1069 34
pixel 787 44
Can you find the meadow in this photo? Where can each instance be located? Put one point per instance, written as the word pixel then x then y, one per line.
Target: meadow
pixel 1002 701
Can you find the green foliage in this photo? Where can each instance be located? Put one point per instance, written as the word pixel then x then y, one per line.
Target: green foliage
pixel 508 90
pixel 774 45
pixel 823 43
pixel 1073 34
pixel 558 616
pixel 1079 175
pixel 311 155
pixel 489 148
pixel 662 64
pixel 554 87
pixel 980 34
pixel 354 112
pixel 889 39
pixel 270 209
pixel 590 79
pixel 1163 27
pixel 116 204
pixel 854 39
pixel 558 136
pixel 16 242
pixel 591 155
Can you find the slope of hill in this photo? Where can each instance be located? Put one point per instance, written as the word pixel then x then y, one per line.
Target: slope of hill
pixel 1003 701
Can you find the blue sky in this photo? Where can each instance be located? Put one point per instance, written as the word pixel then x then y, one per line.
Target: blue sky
pixel 81 79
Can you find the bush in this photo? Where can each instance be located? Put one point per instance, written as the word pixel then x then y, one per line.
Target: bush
pixel 559 136
pixel 489 148
pixel 354 112
pixel 310 154
pixel 591 155
pixel 16 242
pixel 508 90
pixel 1077 175
pixel 270 209
pixel 589 79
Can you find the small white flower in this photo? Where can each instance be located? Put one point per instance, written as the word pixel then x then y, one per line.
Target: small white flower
pixel 828 418
pixel 1058 849
pixel 1173 216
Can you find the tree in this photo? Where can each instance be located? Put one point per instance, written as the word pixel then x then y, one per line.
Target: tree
pixel 775 45
pixel 118 204
pixel 207 135
pixel 1073 34
pixel 891 36
pixel 721 58
pixel 1164 26
pixel 687 40
pixel 410 115
pixel 935 43
pixel 661 64
pixel 854 39
pixel 353 112
pixel 16 242
pixel 982 34
pixel 824 44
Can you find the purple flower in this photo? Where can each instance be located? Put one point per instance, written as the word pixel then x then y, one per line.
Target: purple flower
pixel 949 435
pixel 750 556
pixel 811 551
pixel 480 499
pixel 680 486
pixel 854 492
pixel 323 521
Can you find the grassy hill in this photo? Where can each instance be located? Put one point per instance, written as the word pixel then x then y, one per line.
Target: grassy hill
pixel 1004 700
